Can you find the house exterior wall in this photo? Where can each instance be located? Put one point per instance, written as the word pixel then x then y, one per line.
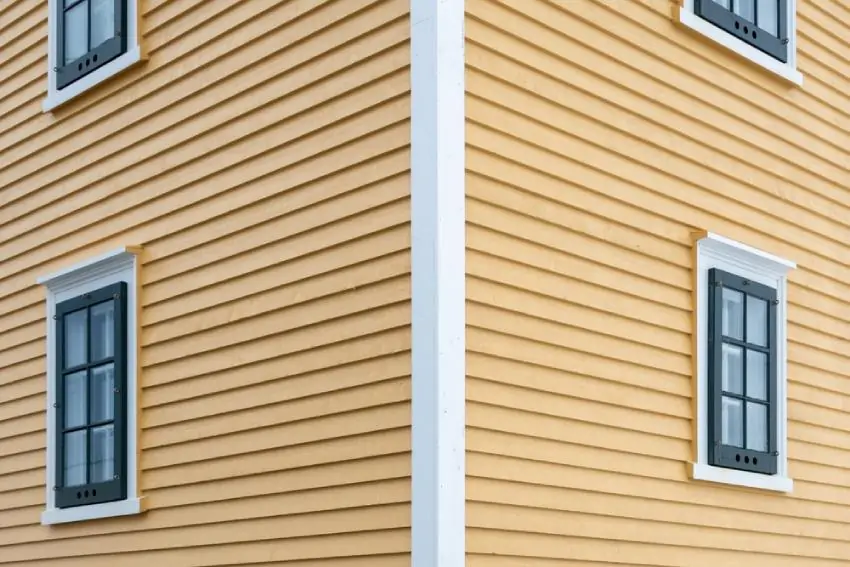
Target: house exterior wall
pixel 599 137
pixel 260 156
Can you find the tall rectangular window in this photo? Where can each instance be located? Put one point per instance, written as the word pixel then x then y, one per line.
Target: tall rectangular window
pixel 91 426
pixel 742 370
pixel 91 33
pixel 760 23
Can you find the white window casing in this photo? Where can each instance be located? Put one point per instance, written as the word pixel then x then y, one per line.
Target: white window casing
pixel 715 251
pixel 118 265
pixel 687 17
pixel 134 54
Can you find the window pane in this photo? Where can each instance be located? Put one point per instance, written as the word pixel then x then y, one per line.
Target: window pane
pixel 746 9
pixel 724 3
pixel 76 335
pixel 102 398
pixel 75 458
pixel 756 374
pixel 733 422
pixel 756 321
pixel 102 21
pixel 102 330
pixel 102 465
pixel 756 427
pixel 75 399
pixel 76 31
pixel 733 314
pixel 733 369
pixel 768 16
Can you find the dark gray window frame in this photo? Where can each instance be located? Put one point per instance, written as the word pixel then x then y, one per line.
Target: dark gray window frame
pixel 743 29
pixel 728 456
pixel 96 57
pixel 115 489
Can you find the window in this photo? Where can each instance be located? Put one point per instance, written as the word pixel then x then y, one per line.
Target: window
pixel 741 373
pixel 90 410
pixel 91 34
pixel 740 365
pixel 89 41
pixel 761 31
pixel 92 389
pixel 761 23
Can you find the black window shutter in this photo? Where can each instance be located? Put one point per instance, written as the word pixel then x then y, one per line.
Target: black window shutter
pixel 115 488
pixel 743 29
pixel 97 55
pixel 730 456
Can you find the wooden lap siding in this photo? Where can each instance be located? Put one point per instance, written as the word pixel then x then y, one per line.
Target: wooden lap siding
pixel 261 158
pixel 599 135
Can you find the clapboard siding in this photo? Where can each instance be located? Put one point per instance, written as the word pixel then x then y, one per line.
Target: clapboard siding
pixel 599 136
pixel 261 158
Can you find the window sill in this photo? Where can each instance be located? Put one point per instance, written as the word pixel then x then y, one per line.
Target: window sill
pixel 712 32
pixel 127 507
pixel 745 479
pixel 56 98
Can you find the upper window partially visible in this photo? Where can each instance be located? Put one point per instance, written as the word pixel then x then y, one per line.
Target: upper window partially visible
pixel 90 34
pixel 760 23
pixel 88 43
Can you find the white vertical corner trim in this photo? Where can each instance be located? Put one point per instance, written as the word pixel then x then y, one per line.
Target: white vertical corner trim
pixel 715 251
pixel 438 291
pixel 788 71
pixel 134 54
pixel 118 265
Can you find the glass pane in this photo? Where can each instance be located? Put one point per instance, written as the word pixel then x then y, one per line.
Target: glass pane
pixel 733 314
pixel 102 21
pixel 102 331
pixel 724 3
pixel 76 31
pixel 756 427
pixel 756 321
pixel 768 16
pixel 76 334
pixel 733 369
pixel 75 458
pixel 733 422
pixel 746 9
pixel 102 398
pixel 756 374
pixel 75 399
pixel 102 465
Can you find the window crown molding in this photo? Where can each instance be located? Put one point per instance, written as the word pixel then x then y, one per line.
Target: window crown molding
pixel 738 253
pixel 92 268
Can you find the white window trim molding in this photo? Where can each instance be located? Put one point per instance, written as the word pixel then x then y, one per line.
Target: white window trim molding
pixel 715 251
pixel 788 71
pixel 135 54
pixel 438 274
pixel 118 265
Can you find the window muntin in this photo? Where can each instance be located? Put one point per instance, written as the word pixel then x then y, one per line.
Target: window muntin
pixel 91 400
pixel 91 33
pixel 760 23
pixel 742 371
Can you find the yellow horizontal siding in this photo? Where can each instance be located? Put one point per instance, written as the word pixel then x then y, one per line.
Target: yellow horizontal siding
pixel 261 158
pixel 599 136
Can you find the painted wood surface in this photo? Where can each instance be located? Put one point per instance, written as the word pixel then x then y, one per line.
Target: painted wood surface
pixel 261 157
pixel 599 135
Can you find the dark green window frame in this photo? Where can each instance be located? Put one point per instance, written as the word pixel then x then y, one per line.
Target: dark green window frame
pixel 97 55
pixel 116 488
pixel 720 454
pixel 745 30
